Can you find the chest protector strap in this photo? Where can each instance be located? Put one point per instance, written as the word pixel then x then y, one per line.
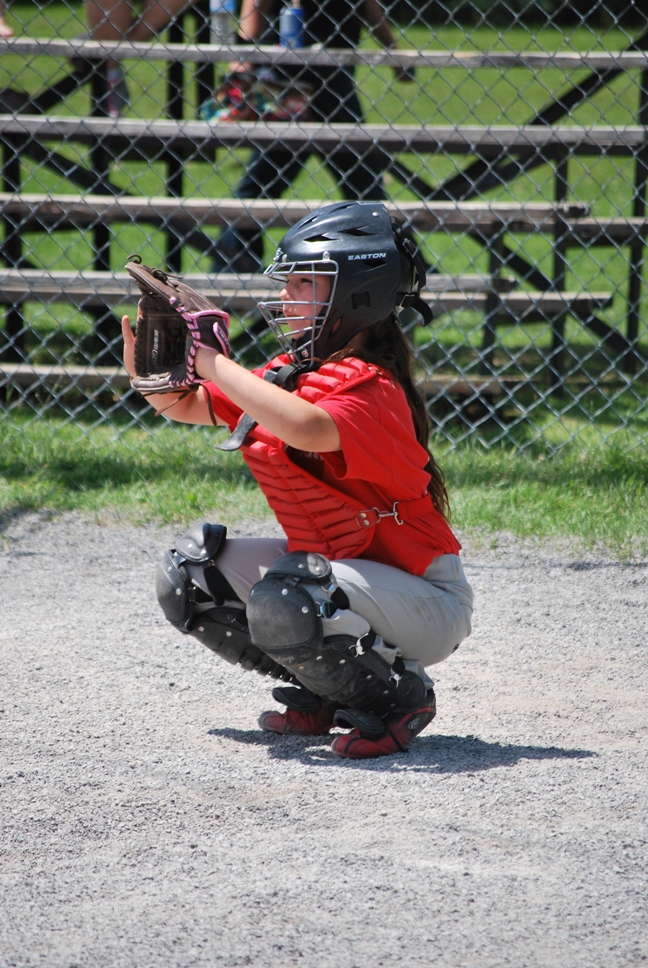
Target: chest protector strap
pixel 283 377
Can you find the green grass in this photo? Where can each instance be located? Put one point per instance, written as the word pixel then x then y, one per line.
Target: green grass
pixel 166 476
pixel 175 475
pixel 595 500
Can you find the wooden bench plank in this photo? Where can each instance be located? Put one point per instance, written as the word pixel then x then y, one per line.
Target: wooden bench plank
pixel 191 213
pixel 242 293
pixel 88 288
pixel 29 375
pixel 93 50
pixel 84 377
pixel 521 306
pixel 606 231
pixel 130 138
pixel 470 386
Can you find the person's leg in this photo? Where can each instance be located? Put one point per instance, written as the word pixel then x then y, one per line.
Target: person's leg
pixel 422 618
pixel 360 177
pixel 427 618
pixel 108 20
pixel 197 598
pixel 5 30
pixel 156 15
pixel 244 562
pixel 299 616
pixel 268 175
pixel 116 20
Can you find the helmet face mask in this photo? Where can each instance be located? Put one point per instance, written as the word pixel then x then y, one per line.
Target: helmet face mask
pixel 371 267
pixel 297 323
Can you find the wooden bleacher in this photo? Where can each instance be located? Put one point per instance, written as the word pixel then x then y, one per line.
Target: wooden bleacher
pixel 24 128
pixel 137 139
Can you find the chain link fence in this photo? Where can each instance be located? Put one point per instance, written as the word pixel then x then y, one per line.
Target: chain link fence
pixel 510 138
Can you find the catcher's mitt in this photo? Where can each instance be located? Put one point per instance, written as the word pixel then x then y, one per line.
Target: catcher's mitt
pixel 173 320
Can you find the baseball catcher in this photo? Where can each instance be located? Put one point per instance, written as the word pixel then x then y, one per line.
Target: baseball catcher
pixel 366 591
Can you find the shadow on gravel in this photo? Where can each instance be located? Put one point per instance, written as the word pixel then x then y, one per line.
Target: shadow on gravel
pixel 428 754
pixel 12 515
pixel 594 565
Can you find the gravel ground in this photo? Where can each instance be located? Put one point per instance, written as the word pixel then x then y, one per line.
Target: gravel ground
pixel 146 820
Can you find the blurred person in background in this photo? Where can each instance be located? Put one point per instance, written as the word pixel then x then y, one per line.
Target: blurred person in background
pixel 5 30
pixel 334 99
pixel 118 20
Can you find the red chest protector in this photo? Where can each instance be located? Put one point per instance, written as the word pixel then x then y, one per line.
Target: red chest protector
pixel 314 515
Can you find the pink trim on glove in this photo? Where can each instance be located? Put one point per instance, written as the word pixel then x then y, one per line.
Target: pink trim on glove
pixel 190 365
pixel 219 329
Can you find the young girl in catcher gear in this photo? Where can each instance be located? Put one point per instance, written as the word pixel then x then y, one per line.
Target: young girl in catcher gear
pixel 367 590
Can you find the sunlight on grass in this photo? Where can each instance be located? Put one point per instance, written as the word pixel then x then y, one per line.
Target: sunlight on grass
pixel 165 476
pixel 598 500
pixel 175 475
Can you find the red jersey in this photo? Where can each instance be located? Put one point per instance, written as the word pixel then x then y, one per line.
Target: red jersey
pixel 380 464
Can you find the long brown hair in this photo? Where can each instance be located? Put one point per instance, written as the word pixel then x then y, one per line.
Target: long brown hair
pixel 385 345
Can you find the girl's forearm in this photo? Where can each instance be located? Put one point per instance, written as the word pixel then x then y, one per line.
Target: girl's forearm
pixel 296 422
pixel 185 407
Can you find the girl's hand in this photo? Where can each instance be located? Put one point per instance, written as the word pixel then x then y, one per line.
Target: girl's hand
pixel 191 408
pixel 129 346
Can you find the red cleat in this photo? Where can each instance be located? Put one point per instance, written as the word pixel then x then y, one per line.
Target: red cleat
pixel 400 729
pixel 299 723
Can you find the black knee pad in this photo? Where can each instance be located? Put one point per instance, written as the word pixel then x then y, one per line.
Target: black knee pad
pixel 193 594
pixel 187 578
pixel 281 609
pixel 285 611
pixel 174 590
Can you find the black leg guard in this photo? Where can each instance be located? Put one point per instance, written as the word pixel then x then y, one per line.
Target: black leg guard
pixel 285 611
pixel 297 697
pixel 197 599
pixel 225 631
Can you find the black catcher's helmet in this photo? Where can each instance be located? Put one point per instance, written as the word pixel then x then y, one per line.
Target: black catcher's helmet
pixel 373 266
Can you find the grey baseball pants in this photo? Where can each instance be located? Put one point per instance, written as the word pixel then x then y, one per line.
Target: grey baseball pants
pixel 426 618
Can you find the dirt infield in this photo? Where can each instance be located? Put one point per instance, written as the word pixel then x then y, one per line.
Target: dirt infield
pixel 147 821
